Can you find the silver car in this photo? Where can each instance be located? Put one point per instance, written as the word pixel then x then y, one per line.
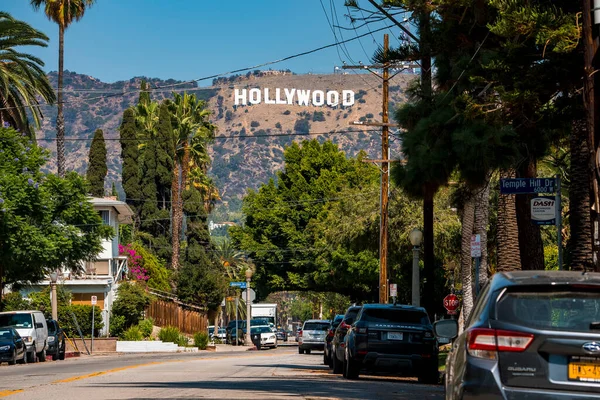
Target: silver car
pixel 312 336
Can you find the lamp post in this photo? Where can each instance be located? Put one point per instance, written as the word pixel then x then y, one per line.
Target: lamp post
pixel 248 278
pixel 416 237
pixel 54 301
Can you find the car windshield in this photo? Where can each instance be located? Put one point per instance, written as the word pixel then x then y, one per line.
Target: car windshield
pixel 572 311
pixel 316 326
pixel 261 329
pixel 51 327
pixel 17 320
pixel 5 334
pixel 396 316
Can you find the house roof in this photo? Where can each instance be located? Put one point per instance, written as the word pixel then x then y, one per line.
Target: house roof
pixel 122 208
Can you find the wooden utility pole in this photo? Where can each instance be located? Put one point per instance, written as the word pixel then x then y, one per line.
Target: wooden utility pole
pixel 385 177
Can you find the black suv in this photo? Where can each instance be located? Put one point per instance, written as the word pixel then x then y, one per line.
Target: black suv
pixel 392 338
pixel 531 335
pixel 337 343
pixel 56 340
pixel 335 322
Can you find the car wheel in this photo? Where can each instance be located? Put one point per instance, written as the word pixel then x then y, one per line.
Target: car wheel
pixel 325 361
pixel 351 368
pixel 42 355
pixel 32 357
pixel 337 366
pixel 14 358
pixel 300 351
pixel 61 354
pixel 308 351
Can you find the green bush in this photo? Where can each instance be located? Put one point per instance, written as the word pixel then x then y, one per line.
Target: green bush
pixel 201 340
pixel 117 325
pixel 146 326
pixel 133 334
pixel 13 302
pixel 131 302
pixel 182 341
pixel 169 334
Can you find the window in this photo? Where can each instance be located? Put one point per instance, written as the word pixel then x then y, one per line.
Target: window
pixel 316 326
pixel 105 215
pixel 18 320
pixel 563 310
pixel 395 316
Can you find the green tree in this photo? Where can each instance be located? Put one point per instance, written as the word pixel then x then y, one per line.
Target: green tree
pixel 97 169
pixel 157 271
pixel 130 172
pixel 63 13
pixel 46 222
pixel 132 300
pixel 22 79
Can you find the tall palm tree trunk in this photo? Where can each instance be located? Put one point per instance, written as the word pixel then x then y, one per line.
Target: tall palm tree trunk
pixel 509 255
pixel 175 209
pixel 530 238
pixel 428 252
pixel 468 223
pixel 579 198
pixel 482 216
pixel 60 119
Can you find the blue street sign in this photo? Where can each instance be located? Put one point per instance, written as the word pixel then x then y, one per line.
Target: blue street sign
pixel 241 285
pixel 527 185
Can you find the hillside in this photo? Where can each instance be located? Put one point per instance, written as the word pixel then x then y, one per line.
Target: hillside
pixel 240 161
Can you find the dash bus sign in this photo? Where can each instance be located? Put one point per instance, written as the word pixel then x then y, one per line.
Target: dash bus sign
pixel 451 303
pixel 543 211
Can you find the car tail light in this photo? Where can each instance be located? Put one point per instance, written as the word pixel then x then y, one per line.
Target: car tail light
pixel 299 333
pixel 330 333
pixel 344 325
pixel 485 342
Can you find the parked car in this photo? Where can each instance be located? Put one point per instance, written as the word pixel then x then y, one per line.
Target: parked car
pixel 263 336
pixel 298 333
pixel 241 324
pixel 282 335
pixel 313 335
pixel 32 328
pixel 56 340
pixel 327 359
pixel 337 343
pixel 390 338
pixel 531 334
pixel 12 346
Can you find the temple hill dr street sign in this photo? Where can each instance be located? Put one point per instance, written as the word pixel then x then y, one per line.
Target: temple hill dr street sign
pixel 544 210
pixel 241 285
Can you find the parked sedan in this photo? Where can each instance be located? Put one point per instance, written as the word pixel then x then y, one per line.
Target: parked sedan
pixel 282 335
pixel 56 340
pixel 531 334
pixel 263 336
pixel 12 346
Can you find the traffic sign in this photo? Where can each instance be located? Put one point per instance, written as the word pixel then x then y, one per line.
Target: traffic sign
pixel 252 295
pixel 94 300
pixel 451 303
pixel 241 285
pixel 475 246
pixel 527 185
pixel 393 289
pixel 543 211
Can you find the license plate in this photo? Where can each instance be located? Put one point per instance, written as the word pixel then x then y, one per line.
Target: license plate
pixel 584 369
pixel 395 336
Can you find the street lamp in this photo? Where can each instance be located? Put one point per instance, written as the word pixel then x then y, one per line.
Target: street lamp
pixel 54 301
pixel 416 237
pixel 248 278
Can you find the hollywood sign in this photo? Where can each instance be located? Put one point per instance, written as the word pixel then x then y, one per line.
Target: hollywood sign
pixel 299 97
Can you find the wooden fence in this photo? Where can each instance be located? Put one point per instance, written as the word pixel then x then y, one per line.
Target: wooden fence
pixel 167 312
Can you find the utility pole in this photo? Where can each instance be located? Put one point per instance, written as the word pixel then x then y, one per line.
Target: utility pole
pixel 385 126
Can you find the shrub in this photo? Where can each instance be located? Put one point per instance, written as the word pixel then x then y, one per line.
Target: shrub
pixel 131 302
pixel 201 340
pixel 117 325
pixel 169 334
pixel 134 333
pixel 13 302
pixel 182 341
pixel 287 112
pixel 254 124
pixel 278 125
pixel 146 326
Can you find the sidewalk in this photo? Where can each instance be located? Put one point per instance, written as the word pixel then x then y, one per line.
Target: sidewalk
pixel 228 347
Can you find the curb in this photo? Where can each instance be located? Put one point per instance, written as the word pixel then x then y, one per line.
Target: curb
pixel 71 354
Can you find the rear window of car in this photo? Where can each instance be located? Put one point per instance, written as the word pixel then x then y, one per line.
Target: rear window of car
pixel 17 320
pixel 351 314
pixel 570 311
pixel 316 326
pixel 395 316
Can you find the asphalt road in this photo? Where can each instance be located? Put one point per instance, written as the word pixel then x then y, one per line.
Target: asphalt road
pixel 265 374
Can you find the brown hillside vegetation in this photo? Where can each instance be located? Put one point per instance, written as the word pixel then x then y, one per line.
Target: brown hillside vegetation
pixel 250 139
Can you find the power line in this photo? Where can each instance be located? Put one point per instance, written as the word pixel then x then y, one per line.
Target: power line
pixel 137 91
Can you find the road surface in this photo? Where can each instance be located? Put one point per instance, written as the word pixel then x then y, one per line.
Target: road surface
pixel 265 374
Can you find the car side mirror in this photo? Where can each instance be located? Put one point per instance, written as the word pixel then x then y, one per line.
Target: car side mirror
pixel 39 325
pixel 446 328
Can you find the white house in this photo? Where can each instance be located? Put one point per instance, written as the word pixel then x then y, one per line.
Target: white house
pixel 101 277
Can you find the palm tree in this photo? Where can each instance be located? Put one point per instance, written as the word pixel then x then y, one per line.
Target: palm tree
pixel 22 80
pixel 191 133
pixel 63 12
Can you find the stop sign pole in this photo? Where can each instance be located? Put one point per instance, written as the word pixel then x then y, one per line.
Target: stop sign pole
pixel 451 303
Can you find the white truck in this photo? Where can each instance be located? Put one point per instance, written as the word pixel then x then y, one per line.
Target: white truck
pixel 266 311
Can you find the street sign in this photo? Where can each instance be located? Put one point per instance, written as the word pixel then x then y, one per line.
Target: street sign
pixel 241 285
pixel 393 290
pixel 527 185
pixel 94 300
pixel 252 295
pixel 451 303
pixel 475 246
pixel 543 211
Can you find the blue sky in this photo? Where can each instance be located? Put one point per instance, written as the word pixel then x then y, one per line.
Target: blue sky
pixel 189 39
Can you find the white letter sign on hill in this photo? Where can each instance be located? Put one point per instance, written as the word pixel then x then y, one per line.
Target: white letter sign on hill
pixel 301 97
